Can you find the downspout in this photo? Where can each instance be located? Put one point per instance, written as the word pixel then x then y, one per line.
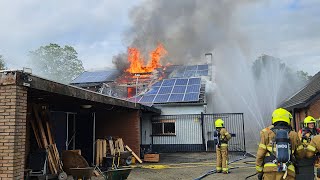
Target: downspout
pixel 294 119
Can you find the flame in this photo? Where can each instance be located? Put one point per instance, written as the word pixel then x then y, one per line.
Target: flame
pixel 137 62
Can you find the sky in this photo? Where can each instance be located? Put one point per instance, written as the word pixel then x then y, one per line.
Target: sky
pixel 287 29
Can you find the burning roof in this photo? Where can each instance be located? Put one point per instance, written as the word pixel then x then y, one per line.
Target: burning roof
pixel 137 62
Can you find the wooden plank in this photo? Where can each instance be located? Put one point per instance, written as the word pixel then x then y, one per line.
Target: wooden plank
pixel 134 154
pixel 100 152
pixel 112 150
pixel 151 157
pixel 119 145
pixel 35 132
pixel 104 148
pixel 97 152
pixel 43 138
pixel 58 156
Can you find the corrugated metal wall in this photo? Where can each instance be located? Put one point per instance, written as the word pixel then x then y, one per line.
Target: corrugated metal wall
pixel 194 132
pixel 234 123
pixel 188 130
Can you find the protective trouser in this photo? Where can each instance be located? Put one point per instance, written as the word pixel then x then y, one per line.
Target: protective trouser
pixel 222 158
pixel 276 176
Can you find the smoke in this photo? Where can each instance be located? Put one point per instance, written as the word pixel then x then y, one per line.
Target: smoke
pixel 188 28
pixel 120 61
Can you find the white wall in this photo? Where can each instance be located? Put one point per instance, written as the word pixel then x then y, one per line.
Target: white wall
pixel 177 110
pixel 188 131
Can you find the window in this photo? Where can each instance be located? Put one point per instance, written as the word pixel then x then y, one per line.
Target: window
pixel 164 127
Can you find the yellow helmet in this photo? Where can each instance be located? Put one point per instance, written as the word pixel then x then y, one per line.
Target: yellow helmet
pixel 281 114
pixel 308 120
pixel 219 123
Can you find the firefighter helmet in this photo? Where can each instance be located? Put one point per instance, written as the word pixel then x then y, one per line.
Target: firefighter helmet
pixel 308 120
pixel 219 123
pixel 281 114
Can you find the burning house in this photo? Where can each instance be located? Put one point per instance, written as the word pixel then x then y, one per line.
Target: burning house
pixel 175 89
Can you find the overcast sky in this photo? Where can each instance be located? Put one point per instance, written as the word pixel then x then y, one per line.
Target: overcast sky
pixel 288 29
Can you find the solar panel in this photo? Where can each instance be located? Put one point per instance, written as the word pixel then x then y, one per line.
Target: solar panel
pixel 176 98
pixel 191 68
pixel 194 81
pixel 168 82
pixel 173 90
pixel 190 73
pixel 191 97
pixel 157 83
pixel 203 67
pixel 153 90
pixel 165 90
pixel 181 81
pixel 179 89
pixel 147 98
pixel 193 88
pixel 203 73
pixel 160 98
pixel 98 76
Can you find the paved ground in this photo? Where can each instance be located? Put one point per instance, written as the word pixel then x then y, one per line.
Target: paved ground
pixel 190 166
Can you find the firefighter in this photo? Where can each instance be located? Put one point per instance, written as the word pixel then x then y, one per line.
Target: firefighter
pixel 306 135
pixel 308 131
pixel 221 140
pixel 277 149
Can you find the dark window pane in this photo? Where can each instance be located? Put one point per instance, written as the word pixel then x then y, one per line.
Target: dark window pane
pixel 169 128
pixel 157 128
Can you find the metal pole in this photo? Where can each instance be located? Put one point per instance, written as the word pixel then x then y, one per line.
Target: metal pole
pixel 74 132
pixel 67 138
pixel 203 131
pixel 244 138
pixel 94 137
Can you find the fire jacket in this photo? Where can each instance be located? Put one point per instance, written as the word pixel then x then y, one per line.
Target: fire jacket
pixel 224 136
pixel 267 149
pixel 313 147
pixel 306 134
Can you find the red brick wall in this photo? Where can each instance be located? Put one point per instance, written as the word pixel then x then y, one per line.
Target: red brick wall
pixel 314 109
pixel 13 110
pixel 122 124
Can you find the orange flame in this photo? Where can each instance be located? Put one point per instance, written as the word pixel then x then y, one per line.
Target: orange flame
pixel 137 62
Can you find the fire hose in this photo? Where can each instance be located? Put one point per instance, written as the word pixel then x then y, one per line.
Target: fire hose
pixel 213 171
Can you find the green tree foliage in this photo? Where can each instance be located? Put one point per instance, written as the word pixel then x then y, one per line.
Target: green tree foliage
pixel 304 75
pixel 2 63
pixel 57 63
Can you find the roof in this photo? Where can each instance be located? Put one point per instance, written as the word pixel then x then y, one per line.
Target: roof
pixel 173 91
pixel 96 77
pixel 37 83
pixel 181 71
pixel 304 96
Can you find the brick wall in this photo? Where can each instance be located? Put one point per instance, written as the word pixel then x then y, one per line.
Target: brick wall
pixel 124 124
pixel 314 109
pixel 13 110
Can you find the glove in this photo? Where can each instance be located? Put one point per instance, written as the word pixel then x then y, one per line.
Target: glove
pixel 259 169
pixel 260 176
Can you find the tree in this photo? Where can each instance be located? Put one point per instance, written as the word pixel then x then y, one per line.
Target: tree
pixel 304 75
pixel 2 63
pixel 57 63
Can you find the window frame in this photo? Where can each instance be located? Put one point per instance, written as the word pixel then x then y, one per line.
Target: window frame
pixel 163 122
